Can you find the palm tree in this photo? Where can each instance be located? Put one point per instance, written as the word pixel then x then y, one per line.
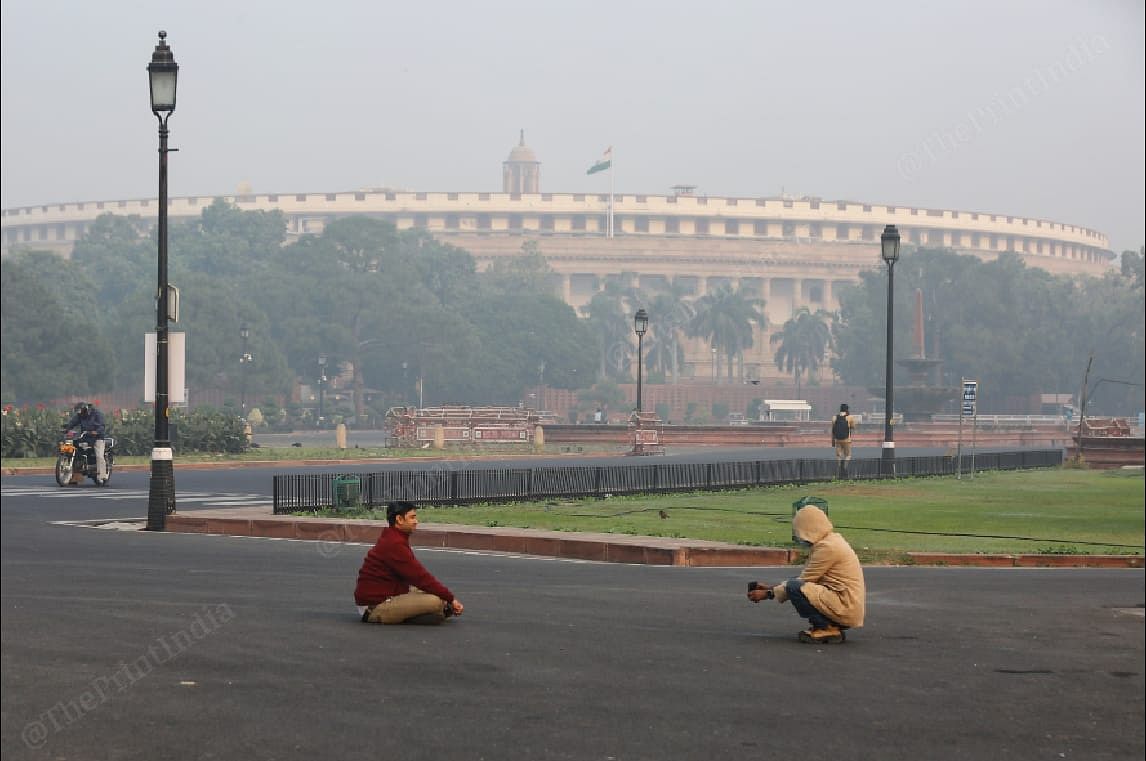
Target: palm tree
pixel 804 342
pixel 669 315
pixel 728 320
pixel 611 319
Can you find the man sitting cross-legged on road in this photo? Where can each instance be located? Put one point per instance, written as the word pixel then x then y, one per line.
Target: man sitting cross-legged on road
pixel 830 591
pixel 393 587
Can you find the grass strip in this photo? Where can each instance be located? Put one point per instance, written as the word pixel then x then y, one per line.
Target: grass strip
pixel 1055 511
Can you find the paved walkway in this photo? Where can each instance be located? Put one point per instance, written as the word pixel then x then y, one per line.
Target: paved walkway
pixel 614 548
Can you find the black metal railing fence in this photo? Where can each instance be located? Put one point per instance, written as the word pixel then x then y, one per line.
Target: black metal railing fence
pixel 458 482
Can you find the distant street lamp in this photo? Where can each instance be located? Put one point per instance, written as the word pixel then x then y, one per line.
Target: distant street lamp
pixel 405 384
pixel 889 243
pixel 244 361
pixel 321 387
pixel 640 326
pixel 163 75
pixel 714 365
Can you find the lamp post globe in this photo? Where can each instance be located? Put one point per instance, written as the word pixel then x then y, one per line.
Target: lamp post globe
pixel 163 75
pixel 889 252
pixel 640 327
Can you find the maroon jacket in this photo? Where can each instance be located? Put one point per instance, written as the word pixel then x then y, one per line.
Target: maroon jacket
pixel 390 569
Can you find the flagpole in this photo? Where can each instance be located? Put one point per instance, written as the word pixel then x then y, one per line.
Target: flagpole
pixel 610 191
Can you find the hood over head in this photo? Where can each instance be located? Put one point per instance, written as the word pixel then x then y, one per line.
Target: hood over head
pixel 811 524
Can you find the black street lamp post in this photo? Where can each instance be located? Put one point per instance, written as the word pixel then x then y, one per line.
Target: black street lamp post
pixel 889 243
pixel 163 74
pixel 321 388
pixel 245 361
pixel 640 326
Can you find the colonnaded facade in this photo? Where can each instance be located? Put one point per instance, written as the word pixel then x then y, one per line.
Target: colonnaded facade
pixel 791 252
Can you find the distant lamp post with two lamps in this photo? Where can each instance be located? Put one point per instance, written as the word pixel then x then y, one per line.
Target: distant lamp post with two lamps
pixel 889 250
pixel 245 360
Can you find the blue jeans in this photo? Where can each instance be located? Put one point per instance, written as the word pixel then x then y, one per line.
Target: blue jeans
pixel 805 608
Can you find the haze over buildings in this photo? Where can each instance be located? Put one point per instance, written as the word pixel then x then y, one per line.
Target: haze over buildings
pixel 1023 108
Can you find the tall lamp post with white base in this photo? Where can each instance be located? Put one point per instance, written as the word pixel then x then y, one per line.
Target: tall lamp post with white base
pixel 889 251
pixel 163 74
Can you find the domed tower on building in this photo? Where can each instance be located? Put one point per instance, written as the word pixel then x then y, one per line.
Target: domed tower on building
pixel 521 172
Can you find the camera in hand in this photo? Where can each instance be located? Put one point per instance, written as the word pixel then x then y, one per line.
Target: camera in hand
pixel 755 585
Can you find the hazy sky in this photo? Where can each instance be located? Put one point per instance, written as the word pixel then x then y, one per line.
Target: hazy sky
pixel 1028 108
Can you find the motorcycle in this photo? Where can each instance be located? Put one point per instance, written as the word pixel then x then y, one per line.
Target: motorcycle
pixel 77 458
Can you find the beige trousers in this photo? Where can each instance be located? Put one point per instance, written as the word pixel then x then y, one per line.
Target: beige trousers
pixel 844 450
pixel 415 604
pixel 101 464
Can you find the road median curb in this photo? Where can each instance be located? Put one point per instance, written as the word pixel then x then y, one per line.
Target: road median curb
pixel 610 548
pixel 1026 560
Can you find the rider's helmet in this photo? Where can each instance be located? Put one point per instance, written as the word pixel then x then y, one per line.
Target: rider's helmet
pixel 83 409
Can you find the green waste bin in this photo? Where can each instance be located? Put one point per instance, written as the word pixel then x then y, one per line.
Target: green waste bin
pixel 346 492
pixel 819 502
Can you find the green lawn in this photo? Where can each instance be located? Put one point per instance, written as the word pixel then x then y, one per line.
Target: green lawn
pixel 1062 511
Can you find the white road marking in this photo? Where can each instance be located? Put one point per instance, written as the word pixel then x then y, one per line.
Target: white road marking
pixel 219 499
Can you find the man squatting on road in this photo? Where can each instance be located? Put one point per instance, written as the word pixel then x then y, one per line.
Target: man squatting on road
pixel 830 591
pixel 393 587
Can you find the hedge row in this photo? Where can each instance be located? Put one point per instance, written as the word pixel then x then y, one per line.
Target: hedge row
pixel 35 431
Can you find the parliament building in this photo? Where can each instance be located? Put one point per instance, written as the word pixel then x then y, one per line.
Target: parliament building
pixel 791 252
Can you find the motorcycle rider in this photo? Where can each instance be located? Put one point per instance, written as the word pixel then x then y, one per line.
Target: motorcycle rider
pixel 89 422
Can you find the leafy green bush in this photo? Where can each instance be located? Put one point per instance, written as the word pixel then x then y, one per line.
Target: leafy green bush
pixel 30 431
pixel 35 431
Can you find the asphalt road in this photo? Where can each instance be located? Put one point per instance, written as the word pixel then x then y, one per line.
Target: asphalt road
pixel 137 645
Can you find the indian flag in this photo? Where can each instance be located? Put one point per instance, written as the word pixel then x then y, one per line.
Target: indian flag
pixel 603 163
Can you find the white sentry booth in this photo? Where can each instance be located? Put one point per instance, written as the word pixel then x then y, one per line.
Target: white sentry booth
pixel 786 411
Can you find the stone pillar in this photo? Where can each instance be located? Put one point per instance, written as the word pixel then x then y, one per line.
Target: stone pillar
pixel 439 437
pixel 340 436
pixel 567 288
pixel 539 438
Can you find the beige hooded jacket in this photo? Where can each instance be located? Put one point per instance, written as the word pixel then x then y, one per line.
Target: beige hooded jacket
pixel 833 578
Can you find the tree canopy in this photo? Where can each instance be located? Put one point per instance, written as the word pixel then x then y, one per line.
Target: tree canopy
pixel 394 308
pixel 1018 330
